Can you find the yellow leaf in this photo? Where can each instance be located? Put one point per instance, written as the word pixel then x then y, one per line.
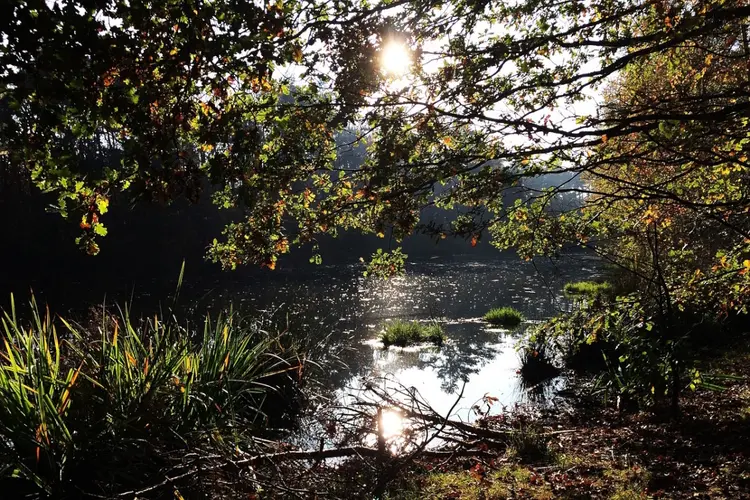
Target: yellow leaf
pixel 66 394
pixel 102 204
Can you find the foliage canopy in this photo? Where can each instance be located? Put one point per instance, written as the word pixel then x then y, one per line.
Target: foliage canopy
pixel 246 103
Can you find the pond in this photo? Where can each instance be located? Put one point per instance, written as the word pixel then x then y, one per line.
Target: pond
pixel 335 306
pixel 338 304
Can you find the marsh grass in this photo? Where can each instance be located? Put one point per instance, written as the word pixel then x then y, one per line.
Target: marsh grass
pixel 588 289
pixel 529 445
pixel 106 411
pixel 405 333
pixel 504 316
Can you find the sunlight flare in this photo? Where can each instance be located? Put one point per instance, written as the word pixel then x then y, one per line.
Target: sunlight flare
pixel 395 58
pixel 391 423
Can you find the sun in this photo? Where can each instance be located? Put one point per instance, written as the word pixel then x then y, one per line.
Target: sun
pixel 395 59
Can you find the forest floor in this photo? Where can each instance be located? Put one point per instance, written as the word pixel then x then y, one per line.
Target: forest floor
pixel 595 452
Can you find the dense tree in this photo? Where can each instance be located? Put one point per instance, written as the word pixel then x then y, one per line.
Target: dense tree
pixel 161 99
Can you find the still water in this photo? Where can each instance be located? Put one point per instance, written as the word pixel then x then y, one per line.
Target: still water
pixel 349 311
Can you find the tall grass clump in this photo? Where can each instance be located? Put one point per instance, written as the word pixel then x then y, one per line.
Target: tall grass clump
pixel 504 316
pixel 588 289
pixel 529 445
pixel 116 410
pixel 404 333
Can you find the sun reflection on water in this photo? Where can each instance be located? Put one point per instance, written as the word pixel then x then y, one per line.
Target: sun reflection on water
pixel 391 423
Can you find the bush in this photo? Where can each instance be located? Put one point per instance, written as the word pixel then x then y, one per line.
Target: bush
pixel 405 333
pixel 115 410
pixel 536 362
pixel 504 316
pixel 627 350
pixel 588 289
pixel 577 338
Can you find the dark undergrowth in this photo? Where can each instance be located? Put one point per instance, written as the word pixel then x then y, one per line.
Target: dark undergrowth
pixel 576 449
pixel 593 451
pixel 537 363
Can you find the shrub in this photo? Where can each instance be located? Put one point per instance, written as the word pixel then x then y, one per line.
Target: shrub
pixel 577 339
pixel 110 411
pixel 504 316
pixel 536 361
pixel 588 289
pixel 628 351
pixel 405 333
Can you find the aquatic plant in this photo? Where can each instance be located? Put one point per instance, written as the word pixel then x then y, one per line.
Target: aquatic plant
pixel 106 411
pixel 504 316
pixel 404 333
pixel 588 288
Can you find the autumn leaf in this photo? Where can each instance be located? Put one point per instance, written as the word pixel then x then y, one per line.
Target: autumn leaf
pixel 297 54
pixel 102 205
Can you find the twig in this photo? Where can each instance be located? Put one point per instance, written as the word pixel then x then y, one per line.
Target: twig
pixel 361 451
